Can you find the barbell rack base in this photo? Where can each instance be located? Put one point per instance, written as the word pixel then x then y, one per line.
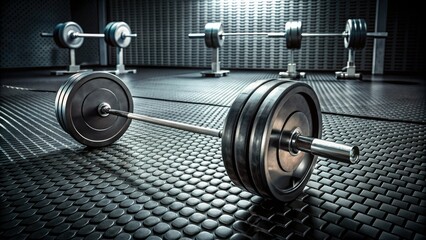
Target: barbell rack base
pixel 349 71
pixel 215 66
pixel 120 67
pixel 72 68
pixel 292 72
pixel 294 142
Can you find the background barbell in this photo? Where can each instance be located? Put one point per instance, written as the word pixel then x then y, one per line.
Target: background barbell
pixel 270 138
pixel 354 35
pixel 71 35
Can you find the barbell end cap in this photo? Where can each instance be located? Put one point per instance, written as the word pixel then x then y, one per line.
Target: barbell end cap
pixel 336 151
pixel 354 155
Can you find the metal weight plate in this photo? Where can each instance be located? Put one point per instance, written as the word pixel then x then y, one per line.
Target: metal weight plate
pixel 347 38
pixel 217 35
pixel 80 107
pixel 59 100
pixel 116 33
pixel 243 132
pixel 64 35
pixel 299 34
pixel 213 35
pixel 351 40
pixel 288 35
pixel 357 33
pixel 293 34
pixel 62 103
pixel 277 173
pixel 362 33
pixel 208 35
pixel 56 36
pixel 230 125
pixel 111 34
pixel 106 33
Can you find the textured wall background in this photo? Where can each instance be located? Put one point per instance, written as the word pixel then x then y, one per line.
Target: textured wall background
pixel 23 20
pixel 405 47
pixel 164 24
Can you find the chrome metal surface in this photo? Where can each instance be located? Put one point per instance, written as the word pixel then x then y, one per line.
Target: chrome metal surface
pixel 327 149
pixel 163 122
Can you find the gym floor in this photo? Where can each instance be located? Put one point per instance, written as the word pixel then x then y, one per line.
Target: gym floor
pixel 163 183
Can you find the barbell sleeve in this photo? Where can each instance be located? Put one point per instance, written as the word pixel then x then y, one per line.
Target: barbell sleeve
pixel 377 34
pixel 315 146
pixel 323 34
pixel 196 35
pixel 129 35
pixel 87 35
pixel 276 35
pixel 245 34
pixel 272 35
pixel 43 34
pixel 327 149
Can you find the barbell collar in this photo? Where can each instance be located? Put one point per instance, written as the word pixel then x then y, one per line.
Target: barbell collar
pixel 294 143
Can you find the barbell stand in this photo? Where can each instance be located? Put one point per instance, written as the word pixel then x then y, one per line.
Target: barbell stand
pixel 120 67
pixel 293 142
pixel 291 72
pixel 349 71
pixel 72 68
pixel 215 66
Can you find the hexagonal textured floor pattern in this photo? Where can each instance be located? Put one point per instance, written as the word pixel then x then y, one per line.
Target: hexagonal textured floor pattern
pixel 161 183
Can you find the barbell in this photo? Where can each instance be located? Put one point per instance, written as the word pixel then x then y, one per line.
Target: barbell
pixel 270 139
pixel 354 35
pixel 71 35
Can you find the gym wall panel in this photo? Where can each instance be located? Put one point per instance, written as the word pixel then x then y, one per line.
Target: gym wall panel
pixel 23 20
pixel 85 13
pixel 21 24
pixel 162 27
pixel 405 48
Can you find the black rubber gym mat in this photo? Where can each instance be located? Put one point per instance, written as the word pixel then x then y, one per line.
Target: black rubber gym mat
pixel 159 182
pixel 389 100
pixel 42 80
pixel 196 89
pixel 386 100
pixel 395 99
